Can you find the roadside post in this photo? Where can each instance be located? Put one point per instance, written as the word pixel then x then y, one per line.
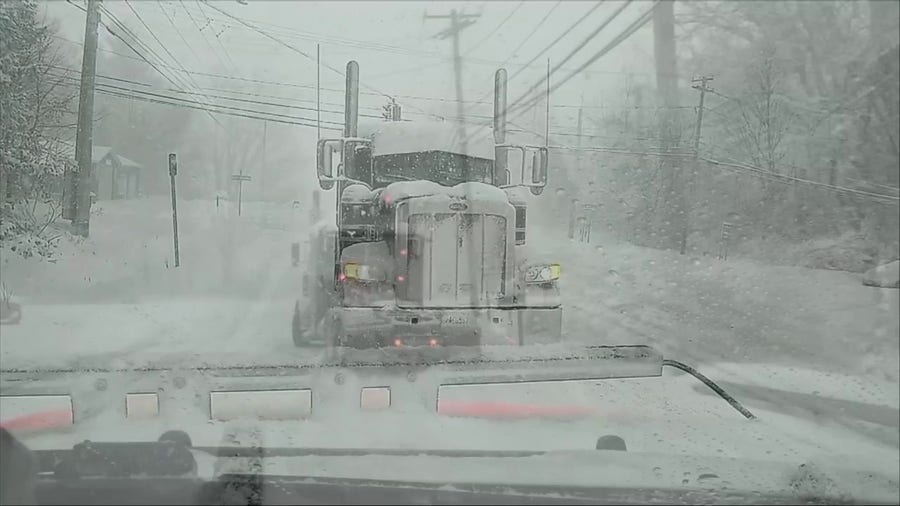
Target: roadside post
pixel 241 179
pixel 173 170
pixel 723 244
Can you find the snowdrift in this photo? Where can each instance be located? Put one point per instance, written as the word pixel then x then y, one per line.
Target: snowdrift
pixel 884 276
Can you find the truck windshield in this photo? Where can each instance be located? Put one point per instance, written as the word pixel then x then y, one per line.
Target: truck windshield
pixel 441 167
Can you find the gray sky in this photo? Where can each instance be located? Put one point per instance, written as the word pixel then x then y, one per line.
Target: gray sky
pixel 395 47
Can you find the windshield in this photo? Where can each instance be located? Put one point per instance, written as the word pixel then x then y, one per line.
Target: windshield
pixel 252 221
pixel 447 169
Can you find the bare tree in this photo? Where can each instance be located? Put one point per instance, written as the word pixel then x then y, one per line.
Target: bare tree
pixel 762 118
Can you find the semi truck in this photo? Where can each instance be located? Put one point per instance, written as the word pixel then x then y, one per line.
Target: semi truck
pixel 428 243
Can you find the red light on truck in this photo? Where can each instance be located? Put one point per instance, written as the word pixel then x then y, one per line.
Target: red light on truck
pixel 398 342
pixel 401 278
pixel 433 342
pixel 403 252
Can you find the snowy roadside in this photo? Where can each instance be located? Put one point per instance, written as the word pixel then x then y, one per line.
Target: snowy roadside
pixel 705 310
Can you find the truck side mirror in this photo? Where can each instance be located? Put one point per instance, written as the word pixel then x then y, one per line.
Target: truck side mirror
pixel 356 161
pixel 539 163
pixel 361 162
pixel 325 161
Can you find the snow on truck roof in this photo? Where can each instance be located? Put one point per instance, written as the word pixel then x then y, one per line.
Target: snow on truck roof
pixel 405 189
pixel 396 137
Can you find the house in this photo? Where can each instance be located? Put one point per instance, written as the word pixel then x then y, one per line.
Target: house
pixel 114 176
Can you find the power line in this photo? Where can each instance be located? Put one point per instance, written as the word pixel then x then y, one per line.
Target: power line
pixel 303 53
pixel 121 26
pixel 547 48
pixel 285 44
pixel 533 30
pixel 212 110
pixel 224 50
pixel 166 49
pixel 159 95
pixel 172 22
pixel 203 35
pixel 342 41
pixel 632 28
pixel 234 99
pixel 149 50
pixel 519 103
pixel 130 93
pixel 557 39
pixel 745 168
pixel 496 28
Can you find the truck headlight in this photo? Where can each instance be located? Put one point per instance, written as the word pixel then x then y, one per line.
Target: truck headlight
pixel 361 272
pixel 543 273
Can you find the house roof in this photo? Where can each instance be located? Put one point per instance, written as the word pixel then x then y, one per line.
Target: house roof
pixel 125 162
pixel 98 154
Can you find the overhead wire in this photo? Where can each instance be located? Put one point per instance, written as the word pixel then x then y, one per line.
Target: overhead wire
pixel 520 103
pixel 565 32
pixel 581 45
pixel 533 30
pixel 496 28
pixel 745 168
pixel 174 78
pixel 165 48
pixel 130 93
pixel 70 72
pixel 304 53
pixel 624 35
pixel 224 49
pixel 178 31
pixel 203 35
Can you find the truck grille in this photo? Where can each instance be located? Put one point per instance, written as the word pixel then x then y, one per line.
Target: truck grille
pixel 456 259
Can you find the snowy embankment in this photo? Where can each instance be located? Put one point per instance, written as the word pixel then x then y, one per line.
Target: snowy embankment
pixel 129 257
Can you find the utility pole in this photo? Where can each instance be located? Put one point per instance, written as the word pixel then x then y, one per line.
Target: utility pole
pixel 703 89
pixel 457 23
pixel 173 171
pixel 262 172
pixel 84 136
pixel 666 86
pixel 318 103
pixel 240 179
pixel 579 165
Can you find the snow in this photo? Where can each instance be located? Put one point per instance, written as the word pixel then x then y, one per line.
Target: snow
pixel 411 137
pixel 356 193
pixel 884 276
pixel 469 190
pixel 813 353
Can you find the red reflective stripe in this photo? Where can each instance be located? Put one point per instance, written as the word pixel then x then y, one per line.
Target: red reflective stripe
pixel 492 409
pixel 40 421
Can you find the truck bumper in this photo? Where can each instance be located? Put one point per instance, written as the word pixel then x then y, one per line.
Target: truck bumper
pixel 363 327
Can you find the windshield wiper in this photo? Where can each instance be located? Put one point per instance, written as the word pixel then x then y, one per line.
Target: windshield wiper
pixel 711 384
